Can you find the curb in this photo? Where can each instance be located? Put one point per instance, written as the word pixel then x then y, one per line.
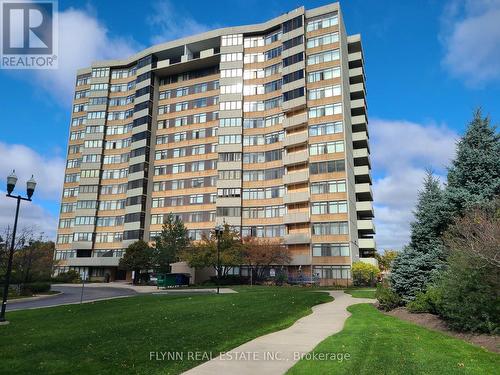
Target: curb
pixel 28 299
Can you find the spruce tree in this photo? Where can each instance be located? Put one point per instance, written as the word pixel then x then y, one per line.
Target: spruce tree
pixel 420 261
pixel 474 175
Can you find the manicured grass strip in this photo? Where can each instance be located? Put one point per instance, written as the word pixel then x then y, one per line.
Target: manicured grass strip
pixel 381 344
pixel 117 336
pixel 361 293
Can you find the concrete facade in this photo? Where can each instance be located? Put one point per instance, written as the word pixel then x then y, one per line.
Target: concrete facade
pixel 263 127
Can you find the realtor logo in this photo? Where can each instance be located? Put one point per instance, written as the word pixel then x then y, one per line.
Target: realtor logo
pixel 29 34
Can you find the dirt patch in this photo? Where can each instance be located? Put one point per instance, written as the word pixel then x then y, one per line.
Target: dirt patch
pixel 431 321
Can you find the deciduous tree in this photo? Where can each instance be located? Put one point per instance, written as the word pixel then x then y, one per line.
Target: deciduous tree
pixel 260 254
pixel 170 243
pixel 138 257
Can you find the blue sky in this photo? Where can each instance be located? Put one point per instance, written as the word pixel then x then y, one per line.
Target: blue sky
pixel 429 63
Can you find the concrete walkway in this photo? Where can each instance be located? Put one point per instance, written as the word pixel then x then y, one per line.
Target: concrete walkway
pixel 275 353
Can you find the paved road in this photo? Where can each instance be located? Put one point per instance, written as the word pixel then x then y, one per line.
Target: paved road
pixel 71 294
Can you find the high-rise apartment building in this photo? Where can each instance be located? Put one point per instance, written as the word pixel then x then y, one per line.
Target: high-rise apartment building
pixel 263 127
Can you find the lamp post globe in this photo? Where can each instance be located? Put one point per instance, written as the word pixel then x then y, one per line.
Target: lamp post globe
pixel 30 187
pixel 11 182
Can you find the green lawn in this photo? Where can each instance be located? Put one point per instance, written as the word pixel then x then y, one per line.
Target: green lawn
pixel 361 293
pixel 381 344
pixel 117 336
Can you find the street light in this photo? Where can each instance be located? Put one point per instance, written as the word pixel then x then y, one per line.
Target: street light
pixel 218 233
pixel 30 189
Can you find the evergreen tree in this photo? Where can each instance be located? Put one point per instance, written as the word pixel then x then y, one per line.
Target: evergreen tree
pixel 474 176
pixel 138 257
pixel 430 220
pixel 172 240
pixel 420 261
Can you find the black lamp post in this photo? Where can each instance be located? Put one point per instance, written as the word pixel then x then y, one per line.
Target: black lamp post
pixel 30 189
pixel 218 233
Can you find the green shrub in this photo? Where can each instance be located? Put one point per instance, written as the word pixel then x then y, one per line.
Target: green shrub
pixel 71 276
pixel 33 288
pixel 387 298
pixel 470 298
pixel 364 274
pixel 427 302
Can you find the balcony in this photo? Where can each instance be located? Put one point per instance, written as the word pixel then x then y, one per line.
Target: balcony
pixel 300 259
pixel 297 238
pixel 359 123
pixel 361 157
pixel 295 139
pixel 298 157
pixel 366 226
pixel 354 56
pixel 298 197
pixel 294 104
pixel 360 139
pixel 364 192
pixel 293 121
pixel 362 174
pixel 365 209
pixel 297 217
pixel 366 244
pixel 296 177
pixel 358 107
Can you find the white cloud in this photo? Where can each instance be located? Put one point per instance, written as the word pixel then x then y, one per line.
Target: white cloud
pixel 83 39
pixel 32 217
pixel 169 23
pixel 471 39
pixel 48 171
pixel 401 152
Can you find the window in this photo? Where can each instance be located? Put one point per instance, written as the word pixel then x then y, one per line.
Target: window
pixel 66 223
pixel 326 187
pixel 94 129
pixel 292 24
pixel 322 40
pixel 332 272
pixel 96 115
pixel 293 42
pixel 324 92
pixel 325 110
pixel 330 228
pixel 70 192
pixel 228 106
pixel 293 59
pixel 76 121
pixel 91 158
pixel 326 148
pixel 257 41
pixel 229 211
pixel 230 175
pixel 99 87
pixel 100 72
pixel 72 177
pixel 230 139
pixel 322 75
pixel 232 89
pixel 229 57
pixel 322 57
pixel 322 23
pixel 293 94
pixel 327 167
pixel 232 40
pixel 330 250
pixel 333 207
pixel 79 107
pixel 229 156
pixel 231 73
pixel 82 236
pixel 82 94
pixel 324 129
pixel 229 122
pixel 271 38
pixel 272 53
pixel 294 76
pixel 84 220
pixel 229 193
pixel 96 143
